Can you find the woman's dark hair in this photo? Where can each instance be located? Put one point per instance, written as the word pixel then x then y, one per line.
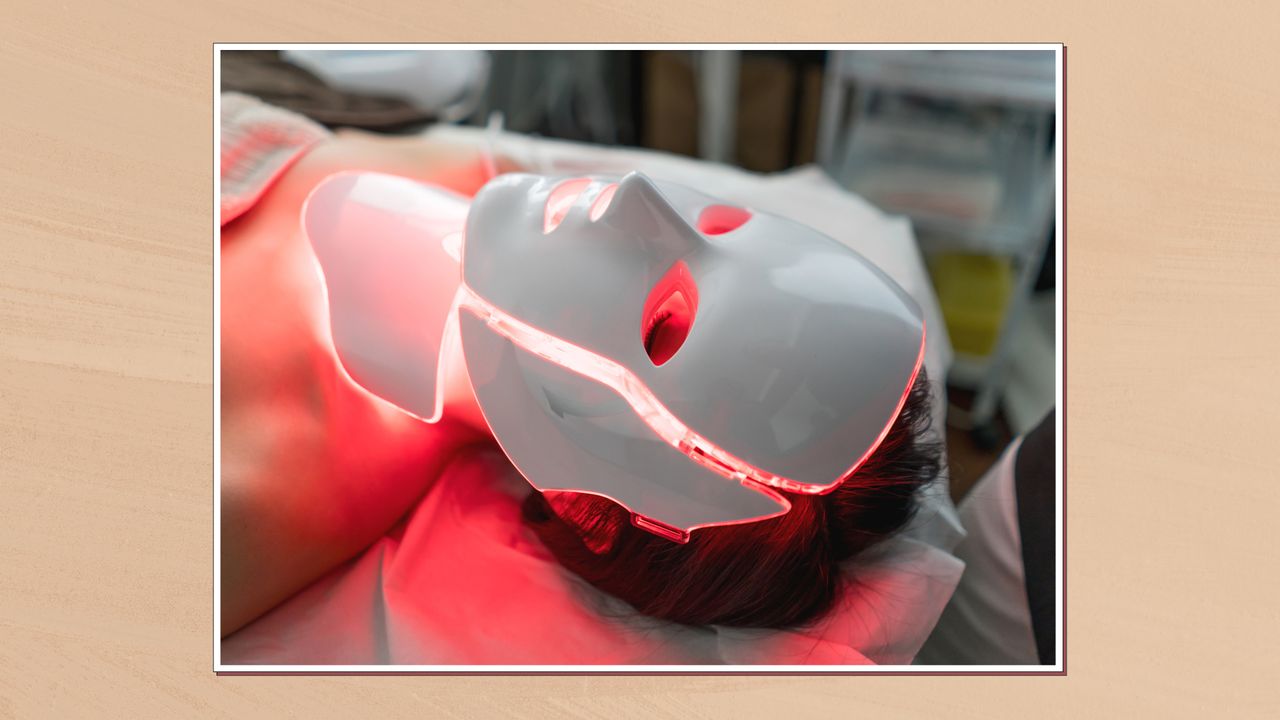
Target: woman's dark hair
pixel 781 572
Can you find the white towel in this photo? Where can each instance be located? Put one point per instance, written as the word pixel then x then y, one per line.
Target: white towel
pixel 258 143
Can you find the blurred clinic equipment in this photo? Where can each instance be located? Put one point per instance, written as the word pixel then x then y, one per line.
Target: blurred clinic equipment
pixel 446 84
pixel 962 142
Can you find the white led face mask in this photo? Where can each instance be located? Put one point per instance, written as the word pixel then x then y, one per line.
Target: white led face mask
pixel 640 341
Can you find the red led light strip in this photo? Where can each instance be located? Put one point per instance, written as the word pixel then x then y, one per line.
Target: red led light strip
pixel 646 405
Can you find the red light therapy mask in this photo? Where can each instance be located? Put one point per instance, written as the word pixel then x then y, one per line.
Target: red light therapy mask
pixel 641 341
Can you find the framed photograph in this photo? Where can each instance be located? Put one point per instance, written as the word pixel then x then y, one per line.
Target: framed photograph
pixel 639 358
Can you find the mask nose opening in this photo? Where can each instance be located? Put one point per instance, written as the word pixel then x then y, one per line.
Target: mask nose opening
pixel 720 219
pixel 560 200
pixel 601 203
pixel 669 313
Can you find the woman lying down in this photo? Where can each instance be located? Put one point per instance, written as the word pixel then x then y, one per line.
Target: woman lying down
pixel 569 420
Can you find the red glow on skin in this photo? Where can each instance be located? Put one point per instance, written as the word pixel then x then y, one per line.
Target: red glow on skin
pixel 720 219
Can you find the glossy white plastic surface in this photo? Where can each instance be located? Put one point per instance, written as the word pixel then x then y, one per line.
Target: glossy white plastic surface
pixel 564 432
pixel 389 278
pixel 799 354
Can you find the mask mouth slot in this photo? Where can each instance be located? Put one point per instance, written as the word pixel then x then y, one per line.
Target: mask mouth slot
pixel 669 313
pixel 720 219
pixel 560 199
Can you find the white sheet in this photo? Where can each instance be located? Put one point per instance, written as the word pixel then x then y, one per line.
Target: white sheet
pixel 463 581
pixel 988 621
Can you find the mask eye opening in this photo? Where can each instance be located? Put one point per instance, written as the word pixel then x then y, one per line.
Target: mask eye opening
pixel 720 219
pixel 560 199
pixel 669 313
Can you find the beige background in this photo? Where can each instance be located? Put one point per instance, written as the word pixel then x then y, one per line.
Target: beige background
pixel 106 343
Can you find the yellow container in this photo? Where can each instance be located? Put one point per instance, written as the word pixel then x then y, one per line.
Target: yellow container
pixel 974 291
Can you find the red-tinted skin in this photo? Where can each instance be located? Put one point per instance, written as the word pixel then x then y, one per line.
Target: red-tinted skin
pixel 313 468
